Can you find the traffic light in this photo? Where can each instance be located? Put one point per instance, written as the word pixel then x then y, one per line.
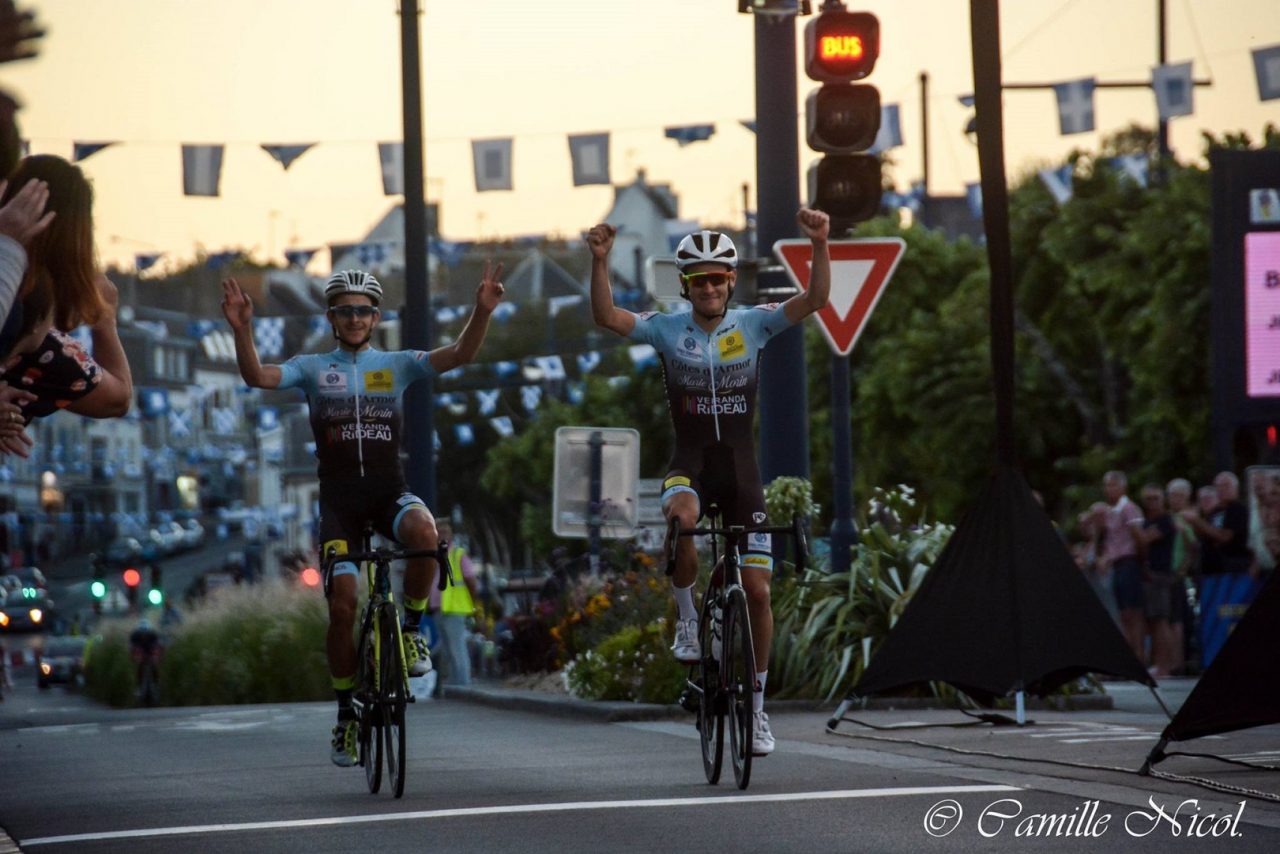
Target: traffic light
pixel 842 118
pixel 156 594
pixel 132 578
pixel 98 587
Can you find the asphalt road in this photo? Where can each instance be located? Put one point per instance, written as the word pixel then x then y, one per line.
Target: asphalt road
pixel 78 778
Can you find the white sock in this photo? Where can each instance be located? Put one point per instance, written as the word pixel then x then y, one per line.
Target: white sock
pixel 684 601
pixel 757 696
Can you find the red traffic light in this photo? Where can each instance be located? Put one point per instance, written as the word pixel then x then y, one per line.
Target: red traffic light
pixel 310 577
pixel 132 578
pixel 841 46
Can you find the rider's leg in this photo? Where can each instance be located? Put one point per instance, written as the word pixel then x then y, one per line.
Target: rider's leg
pixel 340 638
pixel 682 504
pixel 416 529
pixel 756 582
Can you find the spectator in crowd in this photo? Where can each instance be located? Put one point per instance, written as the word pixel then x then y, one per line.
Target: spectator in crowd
pixel 1223 531
pixel 1186 553
pixel 452 608
pixel 1264 520
pixel 1157 536
pixel 1118 559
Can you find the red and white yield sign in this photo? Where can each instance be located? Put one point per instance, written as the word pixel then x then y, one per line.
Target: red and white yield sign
pixel 860 270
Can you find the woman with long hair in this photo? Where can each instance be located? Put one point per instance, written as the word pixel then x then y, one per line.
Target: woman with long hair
pixel 62 289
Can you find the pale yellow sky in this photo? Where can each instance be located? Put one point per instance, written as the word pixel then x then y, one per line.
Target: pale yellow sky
pixel 157 73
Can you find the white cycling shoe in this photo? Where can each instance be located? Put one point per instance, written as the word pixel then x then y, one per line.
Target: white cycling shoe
pixel 686 649
pixel 761 735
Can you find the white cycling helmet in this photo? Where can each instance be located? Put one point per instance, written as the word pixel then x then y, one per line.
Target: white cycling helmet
pixel 703 247
pixel 353 282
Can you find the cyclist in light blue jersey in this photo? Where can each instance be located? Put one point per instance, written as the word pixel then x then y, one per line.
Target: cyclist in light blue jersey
pixel 355 393
pixel 711 367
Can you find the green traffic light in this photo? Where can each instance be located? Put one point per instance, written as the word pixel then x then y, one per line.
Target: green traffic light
pixel 155 597
pixel 98 589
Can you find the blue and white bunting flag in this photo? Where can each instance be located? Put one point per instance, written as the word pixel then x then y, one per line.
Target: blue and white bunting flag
pixel 1059 182
pixel 449 313
pixel 487 400
pixel 179 424
pixel 145 260
pixel 505 311
pixel 1075 105
pixel 506 368
pixel 587 361
pixel 688 134
pixel 299 257
pixel 502 426
pixel 890 134
pixel 531 396
pixel 557 304
pixel 577 392
pixel 268 335
pixel 317 323
pixel 552 367
pixel 1174 90
pixel 201 169
pixel 197 329
pixel 153 402
pixel 1266 67
pixel 643 355
pixel 749 124
pixel 286 154
pixel 85 150
pixel 449 252
pixel 973 195
pixel 464 434
pixel 590 155
pixel 391 159
pixel 225 420
pixel 492 161
pixel 268 418
pixel 218 260
pixel 1135 167
pixel 373 253
pixel 915 196
pixel 620 381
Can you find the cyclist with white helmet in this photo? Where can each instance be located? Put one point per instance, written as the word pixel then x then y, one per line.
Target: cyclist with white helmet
pixel 710 363
pixel 355 394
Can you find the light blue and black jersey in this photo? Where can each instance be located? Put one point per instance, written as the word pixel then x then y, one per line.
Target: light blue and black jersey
pixel 357 406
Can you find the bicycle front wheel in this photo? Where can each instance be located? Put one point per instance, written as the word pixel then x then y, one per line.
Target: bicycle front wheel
pixel 370 733
pixel 740 680
pixel 711 702
pixel 394 696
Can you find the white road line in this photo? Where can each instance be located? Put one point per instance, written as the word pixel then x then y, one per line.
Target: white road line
pixel 1106 738
pixel 729 800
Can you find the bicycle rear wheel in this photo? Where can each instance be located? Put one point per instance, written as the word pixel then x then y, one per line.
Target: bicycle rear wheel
pixel 393 699
pixel 711 702
pixel 739 679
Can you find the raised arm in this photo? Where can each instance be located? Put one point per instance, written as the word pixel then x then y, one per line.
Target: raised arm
pixel 114 392
pixel 603 311
pixel 464 349
pixel 237 307
pixel 816 226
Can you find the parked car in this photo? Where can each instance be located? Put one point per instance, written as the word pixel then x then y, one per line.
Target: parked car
pixel 123 551
pixel 194 533
pixel 29 578
pixel 173 537
pixel 61 660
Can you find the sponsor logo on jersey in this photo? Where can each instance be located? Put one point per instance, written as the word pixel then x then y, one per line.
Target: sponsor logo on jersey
pixel 334 547
pixel 725 404
pixel 732 346
pixel 757 518
pixel 332 381
pixel 377 380
pixel 371 432
pixel 768 306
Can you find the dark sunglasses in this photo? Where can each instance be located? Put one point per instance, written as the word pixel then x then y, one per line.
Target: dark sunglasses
pixel 714 279
pixel 347 312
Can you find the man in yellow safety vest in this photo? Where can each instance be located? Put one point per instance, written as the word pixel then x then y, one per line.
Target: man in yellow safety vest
pixel 454 605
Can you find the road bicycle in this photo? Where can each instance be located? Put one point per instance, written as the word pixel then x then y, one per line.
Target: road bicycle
pixel 382 675
pixel 721 683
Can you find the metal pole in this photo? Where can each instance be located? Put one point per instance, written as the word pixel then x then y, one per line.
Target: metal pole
pixel 596 444
pixel 1162 40
pixel 843 530
pixel 784 430
pixel 924 145
pixel 416 323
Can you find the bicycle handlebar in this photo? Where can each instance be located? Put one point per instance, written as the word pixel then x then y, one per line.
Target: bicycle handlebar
pixel 795 530
pixel 440 553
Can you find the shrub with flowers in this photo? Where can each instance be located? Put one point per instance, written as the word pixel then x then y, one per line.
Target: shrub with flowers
pixel 596 607
pixel 633 664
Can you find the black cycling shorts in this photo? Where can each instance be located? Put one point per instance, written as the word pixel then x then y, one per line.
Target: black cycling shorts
pixel 346 506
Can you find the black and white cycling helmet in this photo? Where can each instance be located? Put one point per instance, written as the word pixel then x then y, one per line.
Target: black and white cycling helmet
pixel 703 247
pixel 352 282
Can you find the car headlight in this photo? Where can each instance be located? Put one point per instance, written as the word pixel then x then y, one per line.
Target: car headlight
pixel 4 619
pixel 45 668
pixel 36 615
